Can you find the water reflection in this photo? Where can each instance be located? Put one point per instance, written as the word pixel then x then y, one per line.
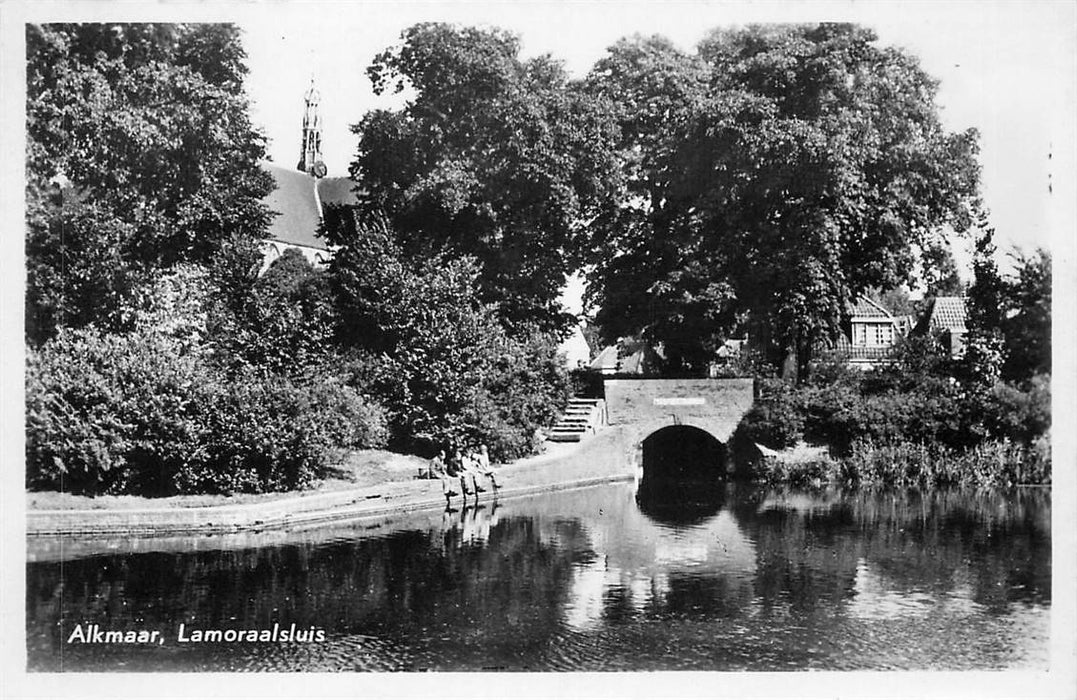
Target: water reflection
pixel 680 502
pixel 594 579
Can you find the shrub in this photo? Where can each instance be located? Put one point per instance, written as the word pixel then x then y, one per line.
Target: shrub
pixel 1020 414
pixel 282 323
pixel 269 434
pixel 346 419
pixel 108 413
pixel 587 383
pixel 528 387
pixel 832 414
pixel 963 427
pixel 434 354
pixel 133 414
pixel 776 419
pixel 175 304
pixel 809 472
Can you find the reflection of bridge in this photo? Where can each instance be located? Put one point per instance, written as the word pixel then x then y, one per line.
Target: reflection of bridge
pixel 678 423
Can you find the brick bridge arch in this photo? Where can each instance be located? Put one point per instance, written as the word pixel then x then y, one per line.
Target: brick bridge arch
pixel 641 408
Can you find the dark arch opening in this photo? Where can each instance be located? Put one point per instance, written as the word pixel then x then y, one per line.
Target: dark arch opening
pixel 683 452
pixel 684 471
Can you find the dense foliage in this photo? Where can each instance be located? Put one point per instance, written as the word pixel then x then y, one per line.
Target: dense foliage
pixel 983 418
pixel 770 178
pixel 140 155
pixel 756 185
pixel 282 322
pixel 916 405
pixel 493 157
pixel 433 353
pixel 139 413
pixel 160 360
pixel 918 465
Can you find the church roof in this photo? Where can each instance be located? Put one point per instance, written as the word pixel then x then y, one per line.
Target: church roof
pixel 337 190
pixel 298 199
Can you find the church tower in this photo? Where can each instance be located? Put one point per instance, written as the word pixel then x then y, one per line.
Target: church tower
pixel 310 158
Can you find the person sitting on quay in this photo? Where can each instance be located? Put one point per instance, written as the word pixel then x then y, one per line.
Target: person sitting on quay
pixel 458 467
pixel 436 468
pixel 469 472
pixel 442 470
pixel 481 460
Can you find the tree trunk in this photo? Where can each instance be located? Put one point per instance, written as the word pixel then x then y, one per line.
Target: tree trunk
pixel 804 355
pixel 790 363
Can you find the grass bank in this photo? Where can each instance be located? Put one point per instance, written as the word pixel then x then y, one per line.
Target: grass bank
pixel 360 469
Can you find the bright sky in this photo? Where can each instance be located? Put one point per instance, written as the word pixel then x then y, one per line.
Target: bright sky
pixel 1006 68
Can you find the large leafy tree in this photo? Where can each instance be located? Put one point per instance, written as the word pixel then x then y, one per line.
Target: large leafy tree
pixel 493 156
pixel 140 156
pixel 432 352
pixel 1027 328
pixel 1009 315
pixel 642 279
pixel 984 345
pixel 812 167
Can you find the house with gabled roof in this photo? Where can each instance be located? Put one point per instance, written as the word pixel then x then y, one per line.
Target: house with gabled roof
pixel 626 358
pixel 871 332
pixel 946 318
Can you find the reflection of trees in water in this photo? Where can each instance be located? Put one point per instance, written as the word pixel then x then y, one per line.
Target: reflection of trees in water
pixel 702 598
pixel 484 588
pixel 995 543
pixel 1001 539
pixel 410 585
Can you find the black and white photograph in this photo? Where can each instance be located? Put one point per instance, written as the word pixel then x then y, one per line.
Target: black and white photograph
pixel 557 346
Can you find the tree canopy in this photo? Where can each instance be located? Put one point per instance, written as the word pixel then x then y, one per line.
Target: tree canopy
pixel 493 157
pixel 140 155
pixel 1009 315
pixel 432 351
pixel 794 167
pixel 1027 328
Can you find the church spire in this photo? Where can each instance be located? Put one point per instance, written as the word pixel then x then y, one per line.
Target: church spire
pixel 310 158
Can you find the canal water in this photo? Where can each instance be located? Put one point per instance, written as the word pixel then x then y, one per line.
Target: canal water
pixel 615 577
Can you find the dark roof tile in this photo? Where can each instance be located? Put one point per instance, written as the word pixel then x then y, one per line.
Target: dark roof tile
pixel 298 213
pixel 337 191
pixel 948 313
pixel 866 307
pixel 299 198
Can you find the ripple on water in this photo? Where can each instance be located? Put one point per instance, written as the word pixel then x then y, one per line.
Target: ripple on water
pixel 344 653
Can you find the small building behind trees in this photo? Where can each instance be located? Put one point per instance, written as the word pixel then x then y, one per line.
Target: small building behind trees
pixel 627 357
pixel 946 319
pixel 869 334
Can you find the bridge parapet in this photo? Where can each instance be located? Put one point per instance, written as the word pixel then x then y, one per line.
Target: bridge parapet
pixel 643 406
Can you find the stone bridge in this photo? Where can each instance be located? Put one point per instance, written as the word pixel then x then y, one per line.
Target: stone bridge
pixel 678 426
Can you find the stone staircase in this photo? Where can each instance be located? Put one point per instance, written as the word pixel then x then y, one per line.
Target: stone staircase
pixel 582 417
